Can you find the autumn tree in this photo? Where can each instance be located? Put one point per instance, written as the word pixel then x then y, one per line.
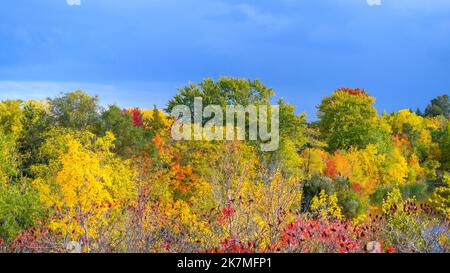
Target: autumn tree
pixel 11 117
pixel 346 119
pixel 8 157
pixel 130 139
pixel 89 183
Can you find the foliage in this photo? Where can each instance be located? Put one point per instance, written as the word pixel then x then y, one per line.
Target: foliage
pixel 409 227
pixel 91 182
pixel 441 197
pixel 326 206
pixel 346 119
pixel 76 110
pixel 225 91
pixel 113 179
pixel 129 138
pixel 8 158
pixel 19 210
pixel 439 106
pixel 314 236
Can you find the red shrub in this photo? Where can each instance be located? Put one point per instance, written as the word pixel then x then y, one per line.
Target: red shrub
pixel 319 236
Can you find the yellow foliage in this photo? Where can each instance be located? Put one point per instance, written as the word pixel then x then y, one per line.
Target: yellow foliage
pixel 394 198
pixel 402 117
pixel 366 167
pixel 416 172
pixel 314 160
pixel 440 199
pixel 148 115
pixel 11 117
pixel 326 206
pixel 89 184
pixel 395 169
pixel 276 204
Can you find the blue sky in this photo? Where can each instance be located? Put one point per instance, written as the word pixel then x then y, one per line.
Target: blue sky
pixel 137 52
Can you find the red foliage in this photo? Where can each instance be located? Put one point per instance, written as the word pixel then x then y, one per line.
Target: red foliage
pixel 231 245
pixel 356 187
pixel 226 214
pixel 32 240
pixel 136 117
pixel 319 236
pixel 391 249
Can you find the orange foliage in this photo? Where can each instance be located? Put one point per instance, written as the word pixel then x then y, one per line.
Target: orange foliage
pixel 331 170
pixel 341 164
pixel 402 140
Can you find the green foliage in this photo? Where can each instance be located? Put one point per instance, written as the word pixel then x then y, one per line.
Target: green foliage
pixel 225 91
pixel 76 110
pixel 19 209
pixel 439 106
pixel 353 204
pixel 114 179
pixel 444 143
pixel 313 187
pixel 346 119
pixel 129 138
pixel 35 122
pixel 417 190
pixel 8 157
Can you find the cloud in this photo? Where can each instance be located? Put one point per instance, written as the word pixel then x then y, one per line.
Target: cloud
pixel 256 15
pixel 126 94
pixel 374 2
pixel 73 2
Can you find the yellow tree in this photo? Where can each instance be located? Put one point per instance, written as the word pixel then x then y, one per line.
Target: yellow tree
pixel 90 185
pixel 278 200
pixel 365 174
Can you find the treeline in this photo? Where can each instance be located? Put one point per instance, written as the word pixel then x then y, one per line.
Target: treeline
pixel 113 180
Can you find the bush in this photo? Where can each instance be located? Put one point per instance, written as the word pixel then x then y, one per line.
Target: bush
pixel 313 187
pixel 19 208
pixel 419 191
pixel 352 204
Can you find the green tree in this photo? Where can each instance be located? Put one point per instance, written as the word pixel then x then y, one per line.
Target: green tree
pixel 225 91
pixel 19 209
pixel 75 110
pixel 18 203
pixel 439 106
pixel 347 119
pixel 129 138
pixel 36 123
pixel 444 144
